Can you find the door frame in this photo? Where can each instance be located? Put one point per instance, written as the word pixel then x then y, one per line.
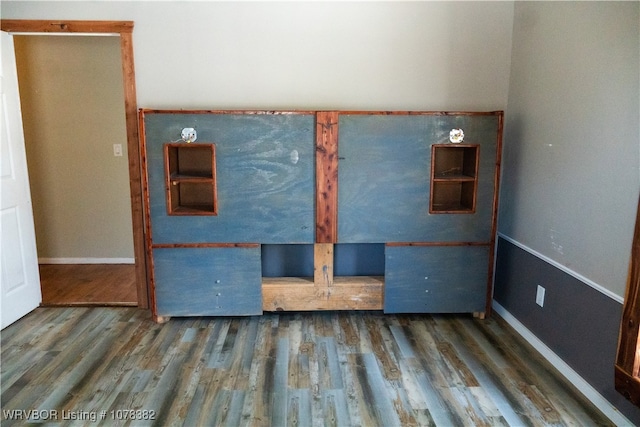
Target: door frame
pixel 627 367
pixel 124 29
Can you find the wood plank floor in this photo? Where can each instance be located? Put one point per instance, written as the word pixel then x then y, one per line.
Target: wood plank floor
pixel 280 369
pixel 88 284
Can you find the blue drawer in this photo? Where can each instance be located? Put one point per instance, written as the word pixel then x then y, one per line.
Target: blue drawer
pixel 436 279
pixel 208 281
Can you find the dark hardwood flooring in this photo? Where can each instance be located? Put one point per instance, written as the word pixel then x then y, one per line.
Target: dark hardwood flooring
pixel 88 284
pixel 280 369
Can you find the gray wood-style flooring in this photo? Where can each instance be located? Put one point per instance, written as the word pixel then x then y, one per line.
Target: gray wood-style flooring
pixel 77 364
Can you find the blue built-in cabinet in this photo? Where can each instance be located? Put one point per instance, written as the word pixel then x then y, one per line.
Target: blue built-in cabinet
pixel 304 210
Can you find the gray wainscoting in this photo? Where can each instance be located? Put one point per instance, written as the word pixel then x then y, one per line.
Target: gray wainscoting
pixel 578 323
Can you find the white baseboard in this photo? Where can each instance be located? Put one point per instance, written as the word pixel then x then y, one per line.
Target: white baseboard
pixel 86 261
pixel 572 376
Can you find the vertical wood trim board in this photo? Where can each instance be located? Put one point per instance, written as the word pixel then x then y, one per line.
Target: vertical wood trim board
pixel 323 265
pixel 494 215
pixel 627 380
pixel 147 212
pixel 327 177
pixel 135 178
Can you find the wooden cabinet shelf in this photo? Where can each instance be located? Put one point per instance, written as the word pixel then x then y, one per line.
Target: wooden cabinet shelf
pixel 190 172
pixel 454 178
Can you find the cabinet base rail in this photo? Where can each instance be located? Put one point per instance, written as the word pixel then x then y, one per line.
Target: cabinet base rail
pixel 301 294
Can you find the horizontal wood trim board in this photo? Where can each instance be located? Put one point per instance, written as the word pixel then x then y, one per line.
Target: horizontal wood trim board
pixel 204 245
pixel 357 112
pixel 438 244
pixel 423 113
pixel 86 260
pixel 62 26
pixel 346 293
pixel 229 112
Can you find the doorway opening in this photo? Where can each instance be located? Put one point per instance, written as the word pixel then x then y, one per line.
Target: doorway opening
pixel 75 139
pixel 123 32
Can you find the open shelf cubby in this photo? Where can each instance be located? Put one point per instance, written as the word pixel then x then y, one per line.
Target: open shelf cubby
pixel 454 178
pixel 190 173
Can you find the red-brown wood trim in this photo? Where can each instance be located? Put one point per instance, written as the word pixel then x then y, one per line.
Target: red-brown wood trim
pixel 65 26
pixel 124 29
pixel 438 244
pixel 422 113
pixel 494 213
pixel 204 245
pixel 248 112
pixel 147 213
pixel 133 149
pixel 627 361
pixel 327 177
pixel 628 385
pixel 357 112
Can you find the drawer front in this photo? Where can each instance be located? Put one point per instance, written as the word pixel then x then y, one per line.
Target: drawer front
pixel 384 179
pixel 208 281
pixel 436 279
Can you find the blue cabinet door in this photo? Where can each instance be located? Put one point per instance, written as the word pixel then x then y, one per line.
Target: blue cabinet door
pixel 384 178
pixel 436 279
pixel 208 281
pixel 265 169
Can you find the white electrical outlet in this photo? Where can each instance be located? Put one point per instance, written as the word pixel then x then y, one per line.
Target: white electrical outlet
pixel 189 134
pixel 540 296
pixel 117 150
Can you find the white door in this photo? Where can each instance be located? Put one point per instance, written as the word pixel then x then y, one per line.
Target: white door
pixel 20 291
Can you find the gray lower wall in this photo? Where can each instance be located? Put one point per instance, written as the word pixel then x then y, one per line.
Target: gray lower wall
pixel 578 323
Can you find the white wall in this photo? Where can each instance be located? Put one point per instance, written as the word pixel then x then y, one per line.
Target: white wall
pixel 571 166
pixel 309 55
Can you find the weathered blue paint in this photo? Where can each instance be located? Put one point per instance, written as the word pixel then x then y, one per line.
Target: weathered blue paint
pixel 436 279
pixel 208 281
pixel 358 259
pixel 384 178
pixel 265 178
pixel 287 260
